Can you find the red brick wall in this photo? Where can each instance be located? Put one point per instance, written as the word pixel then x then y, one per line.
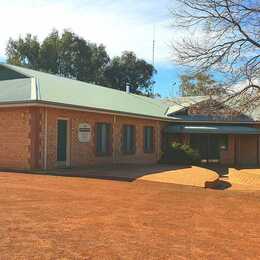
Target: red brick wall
pixel 15 138
pixel 242 150
pixel 35 131
pixel 247 145
pixel 84 154
pixel 228 156
pixel 22 139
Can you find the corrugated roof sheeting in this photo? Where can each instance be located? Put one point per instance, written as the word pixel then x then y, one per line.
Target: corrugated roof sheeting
pixel 61 90
pixel 64 91
pixel 15 90
pixel 179 103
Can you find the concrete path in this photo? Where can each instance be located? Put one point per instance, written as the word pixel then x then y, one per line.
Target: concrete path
pixel 185 175
pixel 218 177
pixel 244 179
pixel 193 176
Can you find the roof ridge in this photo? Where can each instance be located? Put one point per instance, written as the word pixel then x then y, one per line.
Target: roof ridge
pixel 147 100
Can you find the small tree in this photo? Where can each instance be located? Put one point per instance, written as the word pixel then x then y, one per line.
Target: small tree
pixel 199 84
pixel 24 52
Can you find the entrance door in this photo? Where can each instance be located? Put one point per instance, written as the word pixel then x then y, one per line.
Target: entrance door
pixel 200 143
pixel 208 146
pixel 62 143
pixel 213 148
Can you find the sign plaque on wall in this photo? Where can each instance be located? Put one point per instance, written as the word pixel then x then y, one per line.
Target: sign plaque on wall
pixel 84 133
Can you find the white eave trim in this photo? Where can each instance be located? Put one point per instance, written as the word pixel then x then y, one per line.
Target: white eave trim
pixel 34 89
pixel 37 103
pixel 173 120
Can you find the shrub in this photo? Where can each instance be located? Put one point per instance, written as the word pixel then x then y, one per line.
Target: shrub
pixel 179 153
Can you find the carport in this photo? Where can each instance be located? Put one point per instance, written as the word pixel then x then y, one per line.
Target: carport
pixel 225 144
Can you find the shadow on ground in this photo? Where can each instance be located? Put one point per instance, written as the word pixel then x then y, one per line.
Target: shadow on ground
pixel 118 172
pixel 130 173
pixel 221 185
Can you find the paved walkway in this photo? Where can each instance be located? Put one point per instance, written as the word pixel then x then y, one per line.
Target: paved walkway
pixel 185 175
pixel 221 177
pixel 228 178
pixel 193 176
pixel 244 179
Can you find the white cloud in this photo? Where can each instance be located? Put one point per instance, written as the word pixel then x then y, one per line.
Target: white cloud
pixel 119 25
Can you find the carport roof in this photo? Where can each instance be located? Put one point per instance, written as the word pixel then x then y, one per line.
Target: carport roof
pixel 211 129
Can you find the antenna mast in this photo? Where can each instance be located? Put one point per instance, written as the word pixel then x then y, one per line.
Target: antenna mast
pixel 153 58
pixel 153 54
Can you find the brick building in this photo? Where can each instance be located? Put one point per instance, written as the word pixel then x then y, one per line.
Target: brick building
pixel 49 121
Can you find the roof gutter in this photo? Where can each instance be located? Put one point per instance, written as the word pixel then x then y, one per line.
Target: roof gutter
pixel 39 103
pixel 214 122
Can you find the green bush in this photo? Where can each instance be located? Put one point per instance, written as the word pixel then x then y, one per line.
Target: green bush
pixel 179 153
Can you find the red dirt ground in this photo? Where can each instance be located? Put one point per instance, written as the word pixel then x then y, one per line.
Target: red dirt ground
pixel 47 217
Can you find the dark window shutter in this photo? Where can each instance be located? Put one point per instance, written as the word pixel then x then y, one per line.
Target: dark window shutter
pixel 148 139
pixel 128 139
pixel 124 138
pixel 98 138
pixel 103 138
pixel 133 140
pixel 62 141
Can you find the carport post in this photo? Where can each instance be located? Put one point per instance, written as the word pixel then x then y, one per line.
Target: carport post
pixel 235 149
pixel 257 149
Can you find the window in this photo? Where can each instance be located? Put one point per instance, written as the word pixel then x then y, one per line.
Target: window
pixel 223 142
pixel 128 139
pixel 103 138
pixel 62 133
pixel 148 139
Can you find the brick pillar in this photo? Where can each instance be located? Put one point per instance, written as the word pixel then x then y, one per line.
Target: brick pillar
pixel 34 137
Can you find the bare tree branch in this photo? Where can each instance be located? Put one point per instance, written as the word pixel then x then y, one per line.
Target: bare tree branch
pixel 229 41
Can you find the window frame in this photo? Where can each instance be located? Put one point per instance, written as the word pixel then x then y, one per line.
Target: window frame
pixel 147 150
pixel 67 163
pixel 109 140
pixel 123 149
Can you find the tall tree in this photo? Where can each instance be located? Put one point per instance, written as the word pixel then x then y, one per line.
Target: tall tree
pixel 99 60
pixel 229 41
pixel 75 56
pixel 129 70
pixel 72 56
pixel 50 53
pixel 24 52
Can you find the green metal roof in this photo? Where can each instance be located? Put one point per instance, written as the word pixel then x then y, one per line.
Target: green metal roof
pixel 59 90
pixel 211 129
pixel 179 103
pixel 15 90
pixel 18 84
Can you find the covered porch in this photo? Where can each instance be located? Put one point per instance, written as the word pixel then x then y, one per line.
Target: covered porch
pixel 224 144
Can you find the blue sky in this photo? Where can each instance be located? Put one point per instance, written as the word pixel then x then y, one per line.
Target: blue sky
pixel 120 25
